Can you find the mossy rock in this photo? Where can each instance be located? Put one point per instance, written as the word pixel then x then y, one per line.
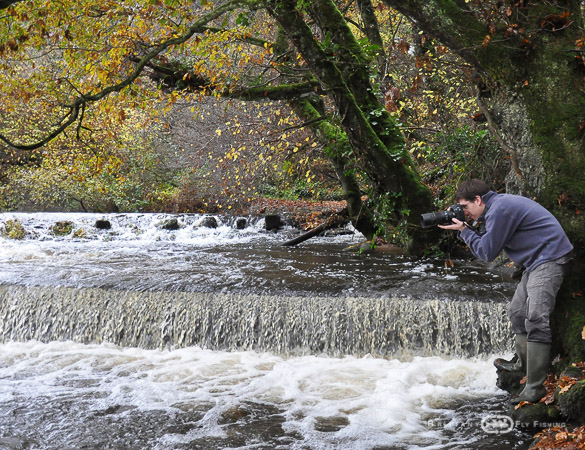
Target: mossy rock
pixel 63 228
pixel 536 416
pixel 572 402
pixel 13 229
pixel 170 224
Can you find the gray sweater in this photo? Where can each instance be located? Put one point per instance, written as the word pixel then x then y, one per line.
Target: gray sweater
pixel 528 233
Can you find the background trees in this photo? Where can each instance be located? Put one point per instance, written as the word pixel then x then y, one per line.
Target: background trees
pixel 83 64
pixel 381 93
pixel 527 64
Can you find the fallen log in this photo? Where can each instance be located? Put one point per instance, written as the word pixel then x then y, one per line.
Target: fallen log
pixel 334 221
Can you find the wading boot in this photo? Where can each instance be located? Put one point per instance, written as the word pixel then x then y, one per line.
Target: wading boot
pixel 518 363
pixel 537 362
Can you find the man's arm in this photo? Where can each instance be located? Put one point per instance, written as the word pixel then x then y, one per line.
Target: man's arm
pixel 489 245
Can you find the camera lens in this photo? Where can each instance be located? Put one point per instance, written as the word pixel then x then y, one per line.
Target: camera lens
pixel 431 219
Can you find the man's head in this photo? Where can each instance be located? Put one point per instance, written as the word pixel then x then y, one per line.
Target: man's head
pixel 469 195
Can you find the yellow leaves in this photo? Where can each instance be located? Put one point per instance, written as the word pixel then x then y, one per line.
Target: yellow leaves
pixel 583 333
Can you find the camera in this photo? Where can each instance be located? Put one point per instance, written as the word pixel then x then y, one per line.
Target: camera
pixel 440 218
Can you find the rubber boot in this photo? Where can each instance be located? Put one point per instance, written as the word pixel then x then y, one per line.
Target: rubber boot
pixel 537 362
pixel 518 363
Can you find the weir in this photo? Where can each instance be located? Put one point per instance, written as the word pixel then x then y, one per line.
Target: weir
pixel 287 325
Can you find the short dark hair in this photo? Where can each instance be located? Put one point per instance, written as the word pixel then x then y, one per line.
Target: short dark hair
pixel 470 189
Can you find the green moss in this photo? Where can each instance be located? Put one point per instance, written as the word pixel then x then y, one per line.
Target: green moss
pixel 572 402
pixel 531 415
pixel 62 228
pixel 13 229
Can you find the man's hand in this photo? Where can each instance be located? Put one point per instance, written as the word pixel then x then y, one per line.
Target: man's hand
pixel 456 225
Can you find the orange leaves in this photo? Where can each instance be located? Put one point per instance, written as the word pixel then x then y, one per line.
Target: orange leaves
pixel 403 46
pixel 555 22
pixel 560 438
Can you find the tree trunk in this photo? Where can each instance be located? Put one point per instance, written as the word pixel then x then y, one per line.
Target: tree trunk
pixel 336 146
pixel 374 136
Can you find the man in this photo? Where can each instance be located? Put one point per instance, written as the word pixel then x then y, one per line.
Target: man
pixel 535 241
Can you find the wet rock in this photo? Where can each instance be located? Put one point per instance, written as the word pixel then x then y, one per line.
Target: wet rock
pixel 170 224
pixel 102 224
pixel 62 228
pixel 209 222
pixel 234 414
pixel 272 222
pixel 241 223
pixel 366 248
pixel 510 381
pixel 338 232
pixel 331 424
pixel 536 416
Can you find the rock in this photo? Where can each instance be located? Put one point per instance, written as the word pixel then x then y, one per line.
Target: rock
pixel 331 424
pixel 572 402
pixel 62 228
pixel 170 224
pixel 536 416
pixel 241 223
pixel 366 248
pixel 273 222
pixel 102 224
pixel 510 381
pixel 209 222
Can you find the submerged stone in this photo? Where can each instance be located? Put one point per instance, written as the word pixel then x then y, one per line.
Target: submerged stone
pixel 331 424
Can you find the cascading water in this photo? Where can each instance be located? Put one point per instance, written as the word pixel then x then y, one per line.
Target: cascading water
pixel 187 336
pixel 285 325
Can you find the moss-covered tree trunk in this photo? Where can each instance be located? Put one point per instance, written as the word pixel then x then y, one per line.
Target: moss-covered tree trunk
pixel 375 138
pixel 530 71
pixel 336 145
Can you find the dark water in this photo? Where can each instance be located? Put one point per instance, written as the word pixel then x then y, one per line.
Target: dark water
pixel 136 254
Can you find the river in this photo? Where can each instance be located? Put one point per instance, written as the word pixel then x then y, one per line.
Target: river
pixel 140 337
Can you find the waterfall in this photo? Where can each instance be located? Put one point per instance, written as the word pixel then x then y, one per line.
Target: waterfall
pixel 288 325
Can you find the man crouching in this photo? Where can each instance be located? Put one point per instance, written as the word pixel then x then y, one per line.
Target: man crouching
pixel 534 240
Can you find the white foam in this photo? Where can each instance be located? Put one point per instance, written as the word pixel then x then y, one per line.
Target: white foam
pixel 383 402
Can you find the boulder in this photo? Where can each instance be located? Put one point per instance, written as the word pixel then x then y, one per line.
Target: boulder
pixel 170 224
pixel 241 223
pixel 209 222
pixel 102 224
pixel 272 222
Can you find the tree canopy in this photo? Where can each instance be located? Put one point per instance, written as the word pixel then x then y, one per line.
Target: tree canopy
pixel 368 83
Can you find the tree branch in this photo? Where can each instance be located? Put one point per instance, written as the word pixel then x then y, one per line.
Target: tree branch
pixel 450 23
pixel 81 101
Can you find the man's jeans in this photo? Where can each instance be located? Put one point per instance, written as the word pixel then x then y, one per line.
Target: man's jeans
pixel 534 300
